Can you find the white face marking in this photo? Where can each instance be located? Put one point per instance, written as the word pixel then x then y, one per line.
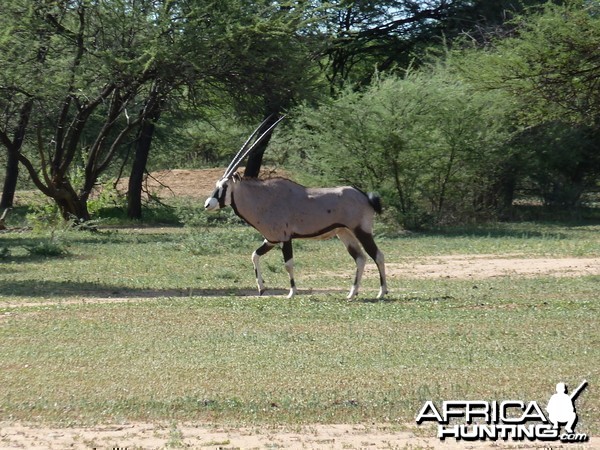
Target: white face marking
pixel 213 202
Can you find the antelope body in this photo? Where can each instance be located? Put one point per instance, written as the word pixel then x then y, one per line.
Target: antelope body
pixel 282 210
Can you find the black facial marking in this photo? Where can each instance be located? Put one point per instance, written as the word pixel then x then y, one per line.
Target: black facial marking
pixel 222 196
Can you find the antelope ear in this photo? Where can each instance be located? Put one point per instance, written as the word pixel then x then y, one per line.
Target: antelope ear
pixel 236 177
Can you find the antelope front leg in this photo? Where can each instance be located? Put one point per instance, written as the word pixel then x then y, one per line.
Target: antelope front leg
pixel 255 261
pixel 288 257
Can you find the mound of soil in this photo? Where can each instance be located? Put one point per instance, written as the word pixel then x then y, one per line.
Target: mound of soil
pixel 192 183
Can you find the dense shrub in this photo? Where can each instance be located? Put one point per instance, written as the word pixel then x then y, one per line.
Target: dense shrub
pixel 550 66
pixel 433 148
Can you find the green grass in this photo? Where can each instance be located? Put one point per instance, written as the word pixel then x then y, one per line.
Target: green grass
pixel 164 260
pixel 190 344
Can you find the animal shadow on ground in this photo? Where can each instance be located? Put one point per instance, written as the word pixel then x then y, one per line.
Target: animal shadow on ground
pixel 62 289
pixel 390 298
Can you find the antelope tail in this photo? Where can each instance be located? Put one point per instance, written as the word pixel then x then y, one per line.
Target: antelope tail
pixel 375 202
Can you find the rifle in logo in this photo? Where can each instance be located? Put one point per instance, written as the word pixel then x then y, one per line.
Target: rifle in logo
pixel 561 407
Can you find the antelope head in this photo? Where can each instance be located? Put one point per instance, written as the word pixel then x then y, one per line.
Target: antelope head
pixel 221 196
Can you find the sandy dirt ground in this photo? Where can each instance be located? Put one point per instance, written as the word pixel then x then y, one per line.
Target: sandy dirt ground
pixel 491 266
pixel 198 184
pixel 156 436
pixel 188 183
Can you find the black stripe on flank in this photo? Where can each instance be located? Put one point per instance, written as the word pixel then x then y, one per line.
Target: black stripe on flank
pixel 320 232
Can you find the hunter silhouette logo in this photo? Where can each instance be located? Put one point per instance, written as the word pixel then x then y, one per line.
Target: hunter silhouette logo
pixel 509 419
pixel 561 407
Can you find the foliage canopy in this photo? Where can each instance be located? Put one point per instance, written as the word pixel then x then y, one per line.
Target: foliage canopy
pixel 510 105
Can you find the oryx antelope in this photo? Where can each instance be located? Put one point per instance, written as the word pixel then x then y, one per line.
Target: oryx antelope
pixel 282 210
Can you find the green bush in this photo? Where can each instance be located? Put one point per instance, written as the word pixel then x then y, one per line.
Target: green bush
pixel 107 198
pixel 44 216
pixel 550 66
pixel 432 147
pixel 53 245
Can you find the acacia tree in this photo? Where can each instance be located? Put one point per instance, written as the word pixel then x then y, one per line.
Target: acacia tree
pixel 16 101
pixel 357 38
pixel 551 65
pixel 143 143
pixel 271 65
pixel 82 82
pixel 246 55
pixel 88 76
pixel 13 146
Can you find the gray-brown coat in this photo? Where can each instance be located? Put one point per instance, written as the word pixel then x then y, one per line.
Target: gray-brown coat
pixel 282 210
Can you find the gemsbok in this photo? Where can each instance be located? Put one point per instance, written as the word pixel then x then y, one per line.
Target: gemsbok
pixel 282 210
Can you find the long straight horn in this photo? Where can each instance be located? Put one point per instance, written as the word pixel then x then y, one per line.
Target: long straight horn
pixel 236 158
pixel 233 168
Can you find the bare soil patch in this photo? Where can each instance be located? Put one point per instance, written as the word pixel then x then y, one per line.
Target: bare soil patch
pixel 192 183
pixel 158 436
pixel 477 267
pixel 178 183
pixel 489 266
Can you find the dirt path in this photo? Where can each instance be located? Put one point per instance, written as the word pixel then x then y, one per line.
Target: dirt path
pixel 156 436
pixel 490 266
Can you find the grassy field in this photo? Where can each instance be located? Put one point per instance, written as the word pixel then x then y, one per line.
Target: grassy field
pixel 162 324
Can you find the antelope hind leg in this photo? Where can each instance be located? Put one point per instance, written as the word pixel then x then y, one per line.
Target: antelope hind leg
pixel 353 247
pixel 288 257
pixel 366 239
pixel 255 261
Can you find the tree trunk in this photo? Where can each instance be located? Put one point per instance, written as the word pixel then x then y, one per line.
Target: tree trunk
pixel 10 182
pixel 73 209
pixel 136 178
pixel 71 205
pixel 13 148
pixel 255 158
